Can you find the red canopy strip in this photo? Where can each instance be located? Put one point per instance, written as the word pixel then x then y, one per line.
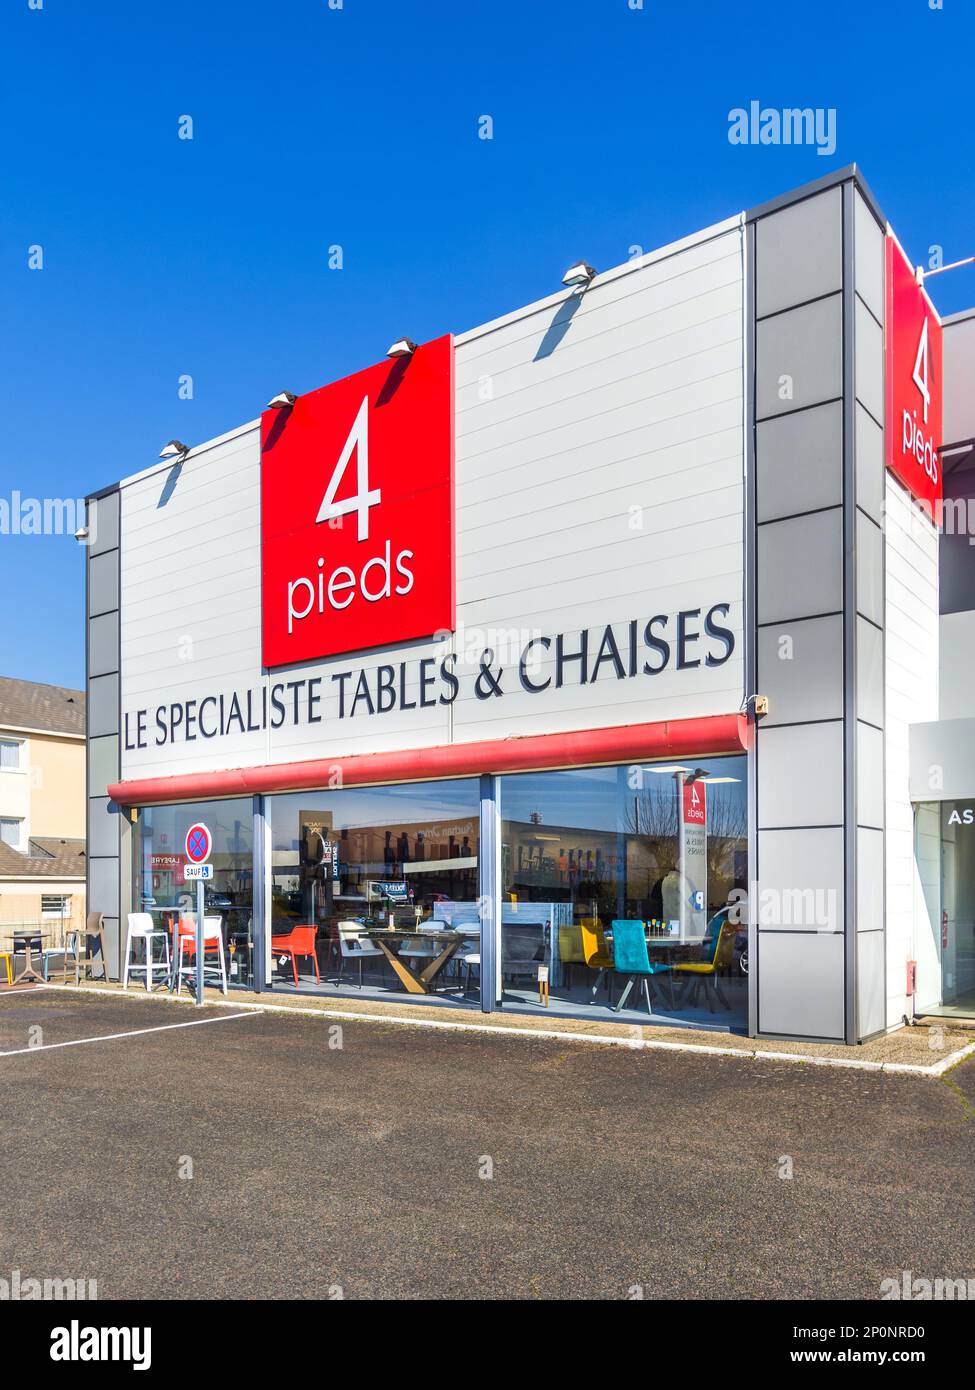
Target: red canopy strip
pixel 683 738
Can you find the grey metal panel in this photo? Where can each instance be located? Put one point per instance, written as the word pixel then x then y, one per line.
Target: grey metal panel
pixel 103 706
pixel 870 880
pixel 870 673
pixel 259 904
pixel 959 372
pixel 801 983
pixel 800 775
pixel 849 172
pixel 800 669
pixel 111 928
pixel 103 523
pixel 869 570
pixel 103 644
pixel 799 460
pixel 799 253
pixel 869 258
pixel 869 465
pixel 943 760
pixel 750 631
pixel 871 983
pixel 870 775
pixel 802 872
pixel 103 886
pixel 489 890
pixel 800 567
pixel 956 664
pixel 804 345
pixel 103 583
pixel 104 819
pixel 850 576
pixel 869 363
pixel 103 764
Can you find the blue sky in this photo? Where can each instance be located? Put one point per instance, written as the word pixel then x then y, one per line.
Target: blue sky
pixel 314 126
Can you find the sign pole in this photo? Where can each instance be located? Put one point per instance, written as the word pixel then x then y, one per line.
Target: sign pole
pixel 199 845
pixel 199 940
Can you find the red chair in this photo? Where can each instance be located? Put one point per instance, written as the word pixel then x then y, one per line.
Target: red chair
pixel 300 941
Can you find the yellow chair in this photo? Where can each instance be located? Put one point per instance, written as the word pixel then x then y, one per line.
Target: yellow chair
pixel 570 950
pixel 699 972
pixel 597 953
pixel 6 956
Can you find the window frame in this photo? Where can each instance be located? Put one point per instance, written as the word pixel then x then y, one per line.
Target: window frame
pixel 17 743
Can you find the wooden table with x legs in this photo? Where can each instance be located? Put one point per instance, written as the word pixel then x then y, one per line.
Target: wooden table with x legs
pixel 417 981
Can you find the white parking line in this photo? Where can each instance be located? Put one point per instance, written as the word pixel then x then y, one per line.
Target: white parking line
pixel 133 1033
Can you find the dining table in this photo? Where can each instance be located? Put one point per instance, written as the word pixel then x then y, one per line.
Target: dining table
pixel 391 939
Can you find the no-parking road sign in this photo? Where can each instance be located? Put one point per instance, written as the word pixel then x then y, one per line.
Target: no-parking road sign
pixel 199 843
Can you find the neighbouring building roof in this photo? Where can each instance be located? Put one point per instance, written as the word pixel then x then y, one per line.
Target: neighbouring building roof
pixel 54 709
pixel 45 858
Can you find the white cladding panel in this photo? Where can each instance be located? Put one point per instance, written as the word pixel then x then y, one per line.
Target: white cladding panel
pixel 912 698
pixel 599 462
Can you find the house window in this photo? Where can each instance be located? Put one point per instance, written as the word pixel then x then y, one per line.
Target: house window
pixel 10 831
pixel 9 755
pixel 55 905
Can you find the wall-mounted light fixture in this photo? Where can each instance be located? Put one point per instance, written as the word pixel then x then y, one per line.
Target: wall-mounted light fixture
pixel 579 275
pixel 403 347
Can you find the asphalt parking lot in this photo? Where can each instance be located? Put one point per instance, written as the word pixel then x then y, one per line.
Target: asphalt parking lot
pixel 362 1169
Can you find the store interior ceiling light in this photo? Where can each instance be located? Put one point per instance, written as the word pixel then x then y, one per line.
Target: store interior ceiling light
pixel 670 768
pixel 403 347
pixel 712 781
pixel 580 273
pixel 282 401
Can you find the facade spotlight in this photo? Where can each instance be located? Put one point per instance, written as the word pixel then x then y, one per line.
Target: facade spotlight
pixel 579 275
pixel 81 535
pixel 403 347
pixel 282 401
pixel 174 449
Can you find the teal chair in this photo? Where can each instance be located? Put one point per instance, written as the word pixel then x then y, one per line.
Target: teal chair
pixel 630 957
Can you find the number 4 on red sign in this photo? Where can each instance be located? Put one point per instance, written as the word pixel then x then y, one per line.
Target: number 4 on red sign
pixel 358 439
pixel 920 374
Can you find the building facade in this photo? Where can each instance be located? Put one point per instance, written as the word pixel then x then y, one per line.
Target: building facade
pixel 568 663
pixel 42 807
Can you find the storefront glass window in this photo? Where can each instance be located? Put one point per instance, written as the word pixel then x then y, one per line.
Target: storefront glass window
pixel 627 887
pixel 375 889
pixel 159 887
pixel 944 947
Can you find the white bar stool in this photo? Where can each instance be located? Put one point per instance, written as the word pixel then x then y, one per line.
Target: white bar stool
pixel 142 928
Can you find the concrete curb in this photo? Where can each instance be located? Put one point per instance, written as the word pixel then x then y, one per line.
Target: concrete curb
pixel 550 1034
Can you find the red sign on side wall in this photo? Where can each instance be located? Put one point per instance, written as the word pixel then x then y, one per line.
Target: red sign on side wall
pixel 357 510
pixel 695 803
pixel 914 384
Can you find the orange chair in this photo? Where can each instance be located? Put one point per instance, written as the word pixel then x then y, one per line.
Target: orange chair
pixel 597 953
pixel 300 941
pixel 212 947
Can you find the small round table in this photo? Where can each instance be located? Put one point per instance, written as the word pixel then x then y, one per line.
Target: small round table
pixel 28 935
